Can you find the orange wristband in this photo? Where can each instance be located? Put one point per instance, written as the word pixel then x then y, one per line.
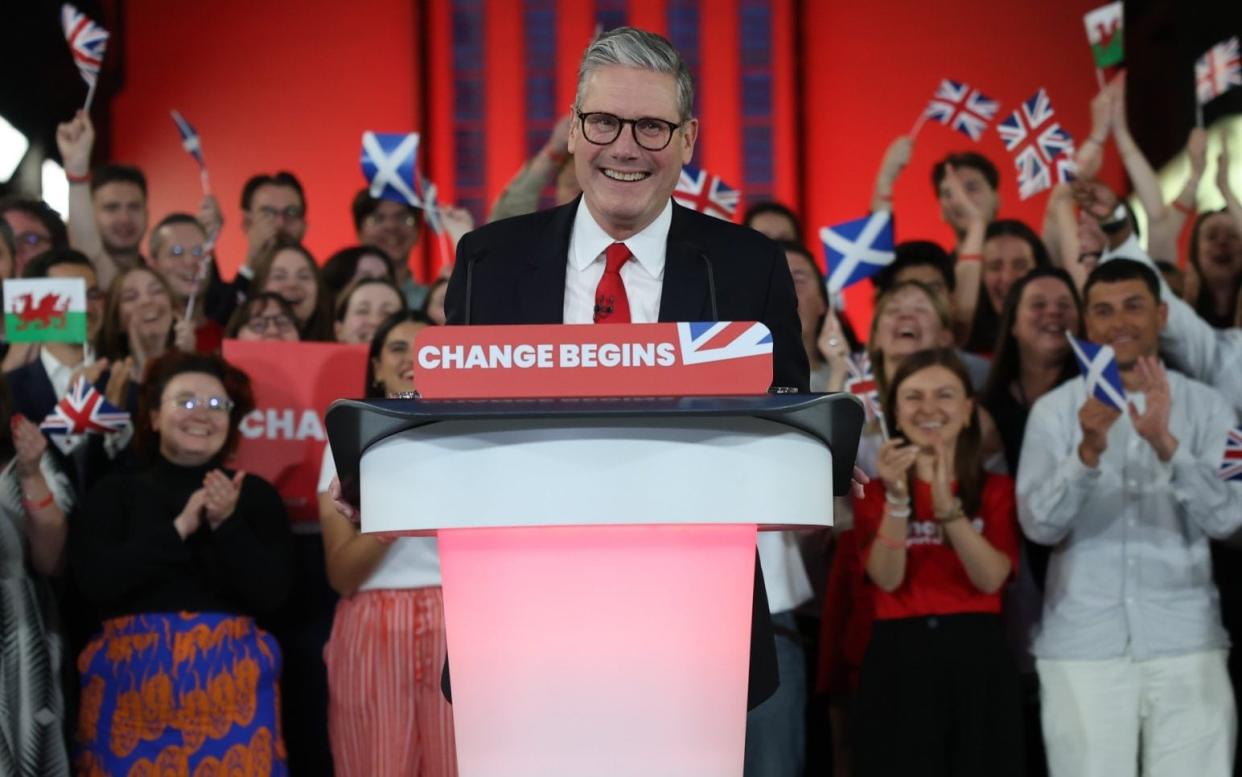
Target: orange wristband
pixel 970 257
pixel 1188 210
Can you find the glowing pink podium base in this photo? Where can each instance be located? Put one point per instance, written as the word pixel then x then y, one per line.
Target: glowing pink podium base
pixel 599 651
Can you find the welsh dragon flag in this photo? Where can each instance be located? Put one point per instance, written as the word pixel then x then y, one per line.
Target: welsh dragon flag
pixel 45 310
pixel 1104 32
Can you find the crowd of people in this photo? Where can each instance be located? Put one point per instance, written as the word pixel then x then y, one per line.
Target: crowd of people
pixel 1031 582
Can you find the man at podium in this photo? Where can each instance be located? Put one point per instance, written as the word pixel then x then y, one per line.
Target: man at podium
pixel 624 252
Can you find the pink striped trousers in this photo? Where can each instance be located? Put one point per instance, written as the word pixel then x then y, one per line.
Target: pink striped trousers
pixel 386 714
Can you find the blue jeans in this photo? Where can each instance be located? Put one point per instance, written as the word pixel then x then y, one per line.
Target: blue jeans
pixel 776 729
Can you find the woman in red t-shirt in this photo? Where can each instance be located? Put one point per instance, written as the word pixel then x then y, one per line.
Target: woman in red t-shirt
pixel 938 692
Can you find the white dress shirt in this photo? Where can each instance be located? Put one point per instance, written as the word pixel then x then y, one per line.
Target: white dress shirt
pixel 643 275
pixel 58 374
pixel 1131 571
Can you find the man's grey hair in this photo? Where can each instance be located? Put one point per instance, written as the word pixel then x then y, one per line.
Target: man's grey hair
pixel 631 47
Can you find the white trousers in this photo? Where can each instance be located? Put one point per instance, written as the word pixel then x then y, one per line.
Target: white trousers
pixel 1175 716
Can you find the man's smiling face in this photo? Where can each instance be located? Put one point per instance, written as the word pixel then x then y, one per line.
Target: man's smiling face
pixel 625 185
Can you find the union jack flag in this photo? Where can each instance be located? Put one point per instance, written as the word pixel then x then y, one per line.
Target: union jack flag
pixel 966 110
pixel 83 410
pixel 860 381
pixel 87 42
pixel 1231 462
pixel 714 341
pixel 700 190
pixel 1218 71
pixel 189 138
pixel 1042 148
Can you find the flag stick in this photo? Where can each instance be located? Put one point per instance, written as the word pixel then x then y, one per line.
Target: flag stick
pixel 1198 114
pixel 199 274
pixel 446 248
pixel 1099 78
pixel 918 125
pixel 202 177
pixel 883 426
pixel 90 95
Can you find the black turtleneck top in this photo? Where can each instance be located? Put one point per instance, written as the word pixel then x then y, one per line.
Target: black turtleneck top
pixel 129 559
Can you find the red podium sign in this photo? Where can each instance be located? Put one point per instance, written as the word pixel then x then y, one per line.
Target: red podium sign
pixel 603 360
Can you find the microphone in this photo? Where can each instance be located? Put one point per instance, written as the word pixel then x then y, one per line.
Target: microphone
pixel 469 286
pixel 711 282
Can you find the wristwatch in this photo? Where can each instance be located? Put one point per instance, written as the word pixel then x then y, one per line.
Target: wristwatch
pixel 1117 221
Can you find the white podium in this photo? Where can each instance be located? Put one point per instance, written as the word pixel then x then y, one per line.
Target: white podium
pixel 598 561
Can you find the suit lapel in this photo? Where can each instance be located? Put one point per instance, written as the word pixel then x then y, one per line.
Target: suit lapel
pixel 542 288
pixel 684 296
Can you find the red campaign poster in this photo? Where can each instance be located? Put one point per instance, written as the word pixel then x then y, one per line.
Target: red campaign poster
pixel 686 359
pixel 282 439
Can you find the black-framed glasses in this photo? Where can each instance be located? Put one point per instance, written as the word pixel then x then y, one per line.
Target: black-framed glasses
pixel 650 133
pixel 278 323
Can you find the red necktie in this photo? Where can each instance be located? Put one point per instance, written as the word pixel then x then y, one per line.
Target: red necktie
pixel 612 306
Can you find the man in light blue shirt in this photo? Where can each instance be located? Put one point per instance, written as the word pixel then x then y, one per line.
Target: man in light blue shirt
pixel 1131 652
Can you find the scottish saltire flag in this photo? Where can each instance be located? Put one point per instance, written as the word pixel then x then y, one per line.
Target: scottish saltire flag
pixel 1218 71
pixel 966 110
pixel 860 381
pixel 857 249
pixel 189 138
pixel 83 410
pixel 1231 461
pixel 1098 365
pixel 389 162
pixel 45 310
pixel 87 42
pixel 702 191
pixel 713 341
pixel 1104 33
pixel 1043 151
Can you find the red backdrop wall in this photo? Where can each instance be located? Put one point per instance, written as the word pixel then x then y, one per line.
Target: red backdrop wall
pixel 293 85
pixel 268 86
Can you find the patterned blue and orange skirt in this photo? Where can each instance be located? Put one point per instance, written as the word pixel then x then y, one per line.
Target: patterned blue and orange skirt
pixel 193 694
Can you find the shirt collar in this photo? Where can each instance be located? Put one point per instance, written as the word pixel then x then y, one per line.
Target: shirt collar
pixel 649 246
pixel 53 366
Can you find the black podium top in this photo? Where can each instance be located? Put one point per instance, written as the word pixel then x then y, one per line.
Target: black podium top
pixel 356 425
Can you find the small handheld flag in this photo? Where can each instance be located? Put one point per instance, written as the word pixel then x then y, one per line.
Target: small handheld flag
pixel 45 310
pixel 390 167
pixel 959 107
pixel 1216 72
pixel 1043 151
pixel 1104 33
pixel 83 410
pixel 857 249
pixel 1098 364
pixel 1231 461
pixel 707 193
pixel 87 42
pixel 193 145
pixel 861 382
